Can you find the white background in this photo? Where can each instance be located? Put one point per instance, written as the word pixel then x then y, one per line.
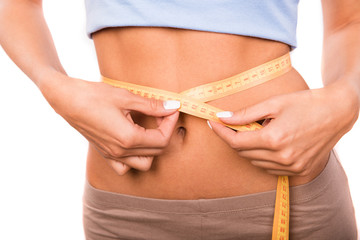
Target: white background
pixel 42 159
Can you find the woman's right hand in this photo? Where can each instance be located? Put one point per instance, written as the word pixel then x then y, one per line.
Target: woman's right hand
pixel 101 113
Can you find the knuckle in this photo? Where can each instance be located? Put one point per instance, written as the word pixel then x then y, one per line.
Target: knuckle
pixel 153 104
pixel 127 143
pixel 286 157
pixel 299 168
pixel 275 140
pixel 115 152
pixel 232 143
pixel 127 139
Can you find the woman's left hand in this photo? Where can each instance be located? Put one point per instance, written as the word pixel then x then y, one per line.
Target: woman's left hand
pixel 300 130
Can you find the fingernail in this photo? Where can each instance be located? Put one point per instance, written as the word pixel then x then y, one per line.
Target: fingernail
pixel 209 124
pixel 171 104
pixel 225 114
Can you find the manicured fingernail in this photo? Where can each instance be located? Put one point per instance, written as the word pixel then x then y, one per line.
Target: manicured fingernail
pixel 225 114
pixel 171 104
pixel 209 124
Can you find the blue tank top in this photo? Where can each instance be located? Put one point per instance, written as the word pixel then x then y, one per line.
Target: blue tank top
pixel 269 19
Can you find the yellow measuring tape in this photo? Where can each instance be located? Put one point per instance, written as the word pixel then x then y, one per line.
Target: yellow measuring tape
pixel 193 102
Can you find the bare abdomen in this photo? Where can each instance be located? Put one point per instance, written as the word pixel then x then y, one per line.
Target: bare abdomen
pixel 197 163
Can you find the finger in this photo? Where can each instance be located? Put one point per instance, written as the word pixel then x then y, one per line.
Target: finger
pixel 275 160
pixel 240 140
pixel 110 149
pixel 280 173
pixel 119 167
pixel 142 163
pixel 266 109
pixel 134 140
pixel 269 165
pixel 151 106
pixel 263 155
pixel 137 152
pixel 297 168
pixel 116 152
pixel 159 137
pixel 272 168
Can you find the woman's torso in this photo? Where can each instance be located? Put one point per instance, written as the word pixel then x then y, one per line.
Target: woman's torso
pixel 196 163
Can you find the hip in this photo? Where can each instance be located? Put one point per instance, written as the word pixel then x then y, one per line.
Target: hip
pixel 313 216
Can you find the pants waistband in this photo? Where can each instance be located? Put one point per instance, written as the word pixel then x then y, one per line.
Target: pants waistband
pixel 298 194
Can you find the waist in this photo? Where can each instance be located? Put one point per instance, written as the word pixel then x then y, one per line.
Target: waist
pixel 196 164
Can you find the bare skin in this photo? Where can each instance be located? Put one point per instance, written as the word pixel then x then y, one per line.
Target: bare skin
pixel 171 155
pixel 196 163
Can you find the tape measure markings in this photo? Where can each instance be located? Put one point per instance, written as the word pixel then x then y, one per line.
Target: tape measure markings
pixel 193 103
pixel 189 105
pixel 282 210
pixel 242 81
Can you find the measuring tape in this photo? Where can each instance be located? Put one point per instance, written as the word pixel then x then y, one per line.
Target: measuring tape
pixel 193 102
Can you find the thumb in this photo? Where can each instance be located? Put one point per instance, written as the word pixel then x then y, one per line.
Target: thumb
pixel 260 111
pixel 151 106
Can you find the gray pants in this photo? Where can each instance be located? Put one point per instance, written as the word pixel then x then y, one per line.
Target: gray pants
pixel 321 209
